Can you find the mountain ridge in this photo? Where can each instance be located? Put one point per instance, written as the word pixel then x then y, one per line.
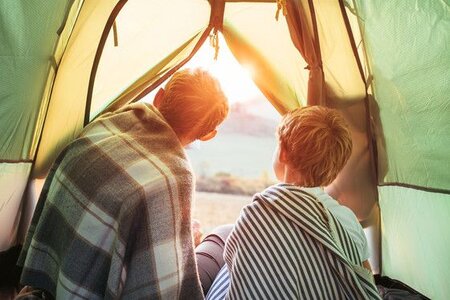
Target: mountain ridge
pixel 242 121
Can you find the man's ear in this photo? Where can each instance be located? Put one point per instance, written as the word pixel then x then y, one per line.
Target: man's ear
pixel 208 136
pixel 158 98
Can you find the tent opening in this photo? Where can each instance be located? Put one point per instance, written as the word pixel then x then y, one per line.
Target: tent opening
pixel 238 162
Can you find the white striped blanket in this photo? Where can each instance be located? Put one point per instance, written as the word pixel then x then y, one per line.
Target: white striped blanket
pixel 286 245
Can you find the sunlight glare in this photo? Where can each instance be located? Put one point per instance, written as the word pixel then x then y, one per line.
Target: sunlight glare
pixel 235 79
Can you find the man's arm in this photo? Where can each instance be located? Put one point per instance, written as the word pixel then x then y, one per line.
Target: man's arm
pixel 366 264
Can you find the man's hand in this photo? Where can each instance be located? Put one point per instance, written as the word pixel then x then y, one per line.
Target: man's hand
pixel 196 232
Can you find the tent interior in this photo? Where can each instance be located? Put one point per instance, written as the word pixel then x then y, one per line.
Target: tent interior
pixel 384 64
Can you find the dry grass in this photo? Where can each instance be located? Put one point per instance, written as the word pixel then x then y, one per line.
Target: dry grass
pixel 213 209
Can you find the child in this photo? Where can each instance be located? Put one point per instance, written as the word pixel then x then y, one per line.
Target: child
pixel 294 241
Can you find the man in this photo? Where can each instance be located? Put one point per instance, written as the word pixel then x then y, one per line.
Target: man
pixel 113 219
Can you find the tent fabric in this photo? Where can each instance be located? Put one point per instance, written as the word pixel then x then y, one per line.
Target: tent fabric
pixel 65 113
pixel 346 91
pixel 29 34
pixel 145 36
pixel 141 86
pixel 416 239
pixel 340 66
pixel 32 44
pixel 409 53
pixel 120 66
pixel 305 40
pixel 407 47
pixel 14 179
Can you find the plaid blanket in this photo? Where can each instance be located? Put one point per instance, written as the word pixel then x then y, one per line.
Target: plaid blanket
pixel 113 219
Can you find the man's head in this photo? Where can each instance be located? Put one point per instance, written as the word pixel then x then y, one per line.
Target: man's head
pixel 193 104
pixel 315 142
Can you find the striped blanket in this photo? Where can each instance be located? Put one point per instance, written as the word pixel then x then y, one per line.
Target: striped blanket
pixel 113 219
pixel 286 245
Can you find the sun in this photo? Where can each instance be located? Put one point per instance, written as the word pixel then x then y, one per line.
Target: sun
pixel 235 79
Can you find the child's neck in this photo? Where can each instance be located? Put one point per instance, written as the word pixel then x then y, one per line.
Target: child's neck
pixel 293 177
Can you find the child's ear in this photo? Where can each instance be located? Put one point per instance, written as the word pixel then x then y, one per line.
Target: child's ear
pixel 208 136
pixel 282 154
pixel 158 98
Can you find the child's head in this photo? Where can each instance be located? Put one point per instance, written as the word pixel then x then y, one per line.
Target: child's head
pixel 315 142
pixel 193 104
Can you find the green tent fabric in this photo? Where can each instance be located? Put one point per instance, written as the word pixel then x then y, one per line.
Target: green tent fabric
pixel 408 50
pixel 416 238
pixel 383 64
pixel 31 43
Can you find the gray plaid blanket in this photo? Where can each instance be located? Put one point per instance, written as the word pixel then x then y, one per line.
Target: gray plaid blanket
pixel 113 219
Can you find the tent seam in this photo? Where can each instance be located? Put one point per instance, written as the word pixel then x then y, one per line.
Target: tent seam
pixel 416 187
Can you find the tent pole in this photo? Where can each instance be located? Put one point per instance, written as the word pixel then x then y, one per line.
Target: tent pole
pixel 316 44
pixel 98 55
pixel 369 132
pixel 370 136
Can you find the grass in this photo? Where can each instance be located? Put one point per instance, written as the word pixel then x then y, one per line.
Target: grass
pixel 213 209
pixel 236 154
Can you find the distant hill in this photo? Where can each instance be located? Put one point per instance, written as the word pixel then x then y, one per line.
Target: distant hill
pixel 244 144
pixel 242 120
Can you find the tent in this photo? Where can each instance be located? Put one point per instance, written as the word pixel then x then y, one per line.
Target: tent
pixel 384 64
